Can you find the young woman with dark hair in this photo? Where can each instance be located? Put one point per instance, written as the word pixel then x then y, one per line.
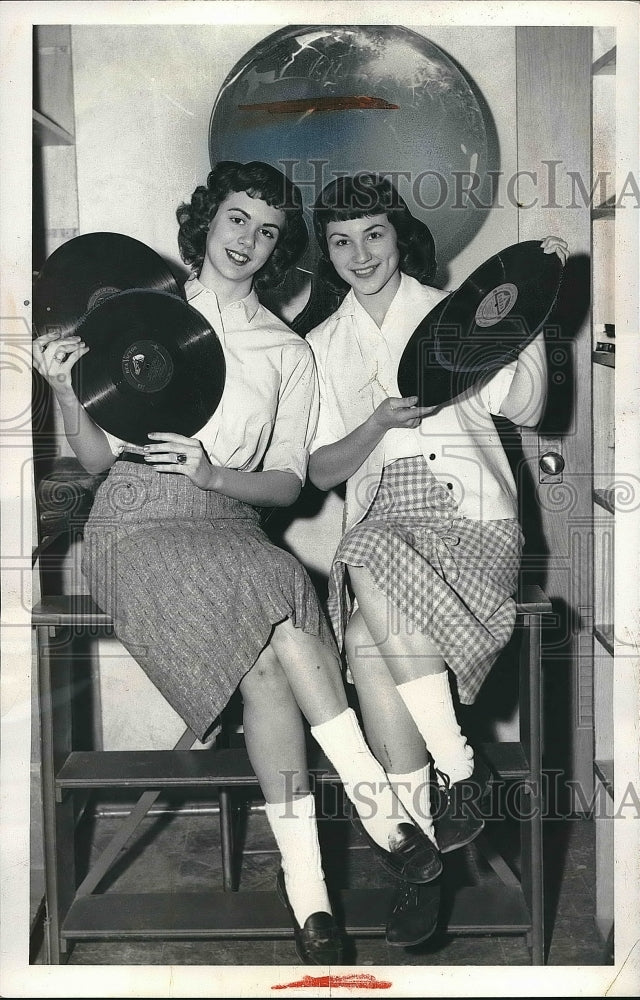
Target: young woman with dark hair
pixel 175 551
pixel 423 580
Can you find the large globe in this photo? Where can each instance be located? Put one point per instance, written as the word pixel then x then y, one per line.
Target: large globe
pixel 322 99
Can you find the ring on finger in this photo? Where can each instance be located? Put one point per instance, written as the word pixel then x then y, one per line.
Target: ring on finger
pixel 59 356
pixel 181 458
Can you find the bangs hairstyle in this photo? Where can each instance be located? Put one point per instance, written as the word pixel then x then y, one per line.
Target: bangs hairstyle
pixel 364 195
pixel 258 180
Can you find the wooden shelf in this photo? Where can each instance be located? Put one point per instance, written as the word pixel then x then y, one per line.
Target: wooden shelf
pixel 251 915
pixel 606 358
pixel 47 133
pixel 604 771
pixel 604 635
pixel 605 64
pixel 606 499
pixel 157 769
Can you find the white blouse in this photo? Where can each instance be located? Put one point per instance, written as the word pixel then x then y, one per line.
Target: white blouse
pixel 268 413
pixel 458 440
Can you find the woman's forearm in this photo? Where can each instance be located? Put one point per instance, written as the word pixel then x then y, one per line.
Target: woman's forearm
pixel 524 403
pixel 87 440
pixel 335 463
pixel 272 488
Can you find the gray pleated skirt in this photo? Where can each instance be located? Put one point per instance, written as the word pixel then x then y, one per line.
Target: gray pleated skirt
pixel 193 583
pixel 453 578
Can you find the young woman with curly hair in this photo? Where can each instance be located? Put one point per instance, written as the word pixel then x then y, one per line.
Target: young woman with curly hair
pixel 421 587
pixel 199 595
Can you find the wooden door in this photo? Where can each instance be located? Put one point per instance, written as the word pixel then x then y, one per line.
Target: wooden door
pixel 553 72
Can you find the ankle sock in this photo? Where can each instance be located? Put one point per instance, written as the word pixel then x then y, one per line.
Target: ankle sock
pixel 413 791
pixel 295 829
pixel 430 705
pixel 363 777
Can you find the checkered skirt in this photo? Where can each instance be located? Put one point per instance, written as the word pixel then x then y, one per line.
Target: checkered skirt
pixel 452 577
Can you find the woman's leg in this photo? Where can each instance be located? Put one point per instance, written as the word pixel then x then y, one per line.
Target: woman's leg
pixel 419 673
pixel 396 742
pixel 316 681
pixel 274 730
pixel 275 739
pixel 391 732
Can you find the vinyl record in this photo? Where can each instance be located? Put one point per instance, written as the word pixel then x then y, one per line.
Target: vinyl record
pixel 481 326
pixel 154 364
pixel 86 270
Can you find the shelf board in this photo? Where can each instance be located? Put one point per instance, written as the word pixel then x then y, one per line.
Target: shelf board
pixel 604 770
pixel 604 635
pixel 606 499
pixel 47 133
pixel 251 915
pixel 605 64
pixel 606 358
pixel 226 767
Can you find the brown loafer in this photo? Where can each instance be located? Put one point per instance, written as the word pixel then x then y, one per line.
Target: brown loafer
pixel 319 942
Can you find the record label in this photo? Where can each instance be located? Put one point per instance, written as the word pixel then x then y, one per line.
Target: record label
pixel 101 294
pixel 147 366
pixel 497 304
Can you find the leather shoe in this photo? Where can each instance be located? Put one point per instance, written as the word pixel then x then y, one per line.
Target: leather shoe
pixel 414 914
pixel 458 807
pixel 411 855
pixel 319 942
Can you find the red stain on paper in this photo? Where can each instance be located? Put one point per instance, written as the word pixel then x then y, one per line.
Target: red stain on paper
pixel 357 980
pixel 307 104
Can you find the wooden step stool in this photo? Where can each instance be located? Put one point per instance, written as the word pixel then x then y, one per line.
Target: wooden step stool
pixel 75 912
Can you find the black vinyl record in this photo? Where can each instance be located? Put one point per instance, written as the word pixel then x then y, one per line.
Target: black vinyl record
pixel 482 326
pixel 88 269
pixel 154 364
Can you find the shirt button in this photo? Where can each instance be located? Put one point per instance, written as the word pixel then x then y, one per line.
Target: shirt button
pixel 432 457
pixel 449 486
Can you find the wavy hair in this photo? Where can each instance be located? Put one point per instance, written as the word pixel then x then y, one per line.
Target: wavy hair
pixel 363 195
pixel 258 180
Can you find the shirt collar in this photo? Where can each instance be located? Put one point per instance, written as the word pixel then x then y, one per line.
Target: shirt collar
pixel 249 305
pixel 351 307
pixel 350 304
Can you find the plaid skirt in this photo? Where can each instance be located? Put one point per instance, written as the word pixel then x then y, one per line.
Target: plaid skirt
pixel 194 585
pixel 453 578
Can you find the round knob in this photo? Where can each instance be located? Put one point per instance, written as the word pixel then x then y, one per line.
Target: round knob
pixel 552 463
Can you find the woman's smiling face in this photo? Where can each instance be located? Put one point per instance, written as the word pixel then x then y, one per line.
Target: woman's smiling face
pixel 242 236
pixel 365 253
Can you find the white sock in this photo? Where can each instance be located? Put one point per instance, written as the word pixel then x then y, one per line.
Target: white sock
pixel 364 779
pixel 294 826
pixel 413 791
pixel 431 707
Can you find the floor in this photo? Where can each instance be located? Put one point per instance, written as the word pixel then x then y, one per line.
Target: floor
pixel 178 848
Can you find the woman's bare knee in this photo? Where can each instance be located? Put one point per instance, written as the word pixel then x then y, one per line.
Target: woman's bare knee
pixel 266 679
